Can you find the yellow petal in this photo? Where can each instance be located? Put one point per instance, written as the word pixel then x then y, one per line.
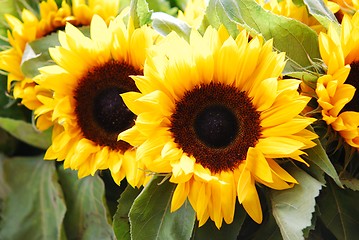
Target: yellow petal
pixel 258 165
pixel 252 204
pixel 179 196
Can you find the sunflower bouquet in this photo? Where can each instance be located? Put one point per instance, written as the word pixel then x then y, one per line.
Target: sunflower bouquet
pixel 179 119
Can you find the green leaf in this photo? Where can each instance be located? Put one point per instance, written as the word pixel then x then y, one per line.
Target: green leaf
pixel 303 47
pixel 26 132
pixel 143 12
pixel 86 217
pixel 34 207
pixel 36 55
pixel 150 215
pixel 227 231
pixel 268 230
pixel 211 14
pixel 121 221
pixel 140 13
pixel 339 211
pixel 33 61
pixel 223 19
pixel 320 11
pixel 163 6
pixel 293 208
pixel 319 157
pixel 164 24
pixel 307 231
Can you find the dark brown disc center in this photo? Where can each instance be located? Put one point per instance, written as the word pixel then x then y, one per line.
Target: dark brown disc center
pixel 216 124
pixel 100 110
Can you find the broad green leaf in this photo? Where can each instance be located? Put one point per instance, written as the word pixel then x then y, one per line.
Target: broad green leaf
pixel 317 173
pixel 140 13
pixel 211 15
pixel 320 11
pixel 223 19
pixel 121 222
pixel 86 217
pixel 303 47
pixel 164 24
pixel 268 230
pixel 144 13
pixel 151 218
pixel 319 157
pixel 227 231
pixel 34 207
pixel 26 132
pixel 36 55
pixel 293 208
pixel 339 211
pixel 311 228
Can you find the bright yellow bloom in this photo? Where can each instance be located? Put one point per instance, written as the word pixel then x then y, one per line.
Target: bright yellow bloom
pixel 336 90
pixel 31 28
pixel 214 113
pixel 89 75
pixel 193 13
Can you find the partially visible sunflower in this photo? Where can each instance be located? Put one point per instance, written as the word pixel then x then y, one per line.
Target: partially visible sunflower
pixel 336 90
pixel 346 7
pixel 194 12
pixel 88 111
pixel 289 9
pixel 31 28
pixel 214 113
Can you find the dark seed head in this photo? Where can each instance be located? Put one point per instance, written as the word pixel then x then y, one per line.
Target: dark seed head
pixel 100 111
pixel 216 126
pixel 110 111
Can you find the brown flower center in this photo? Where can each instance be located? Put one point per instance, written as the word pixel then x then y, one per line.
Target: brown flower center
pixel 216 124
pixel 100 110
pixel 353 79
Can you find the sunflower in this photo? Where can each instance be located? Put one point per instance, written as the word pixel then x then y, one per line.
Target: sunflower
pixel 214 113
pixel 346 7
pixel 89 113
pixel 336 90
pixel 289 9
pixel 31 28
pixel 193 13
